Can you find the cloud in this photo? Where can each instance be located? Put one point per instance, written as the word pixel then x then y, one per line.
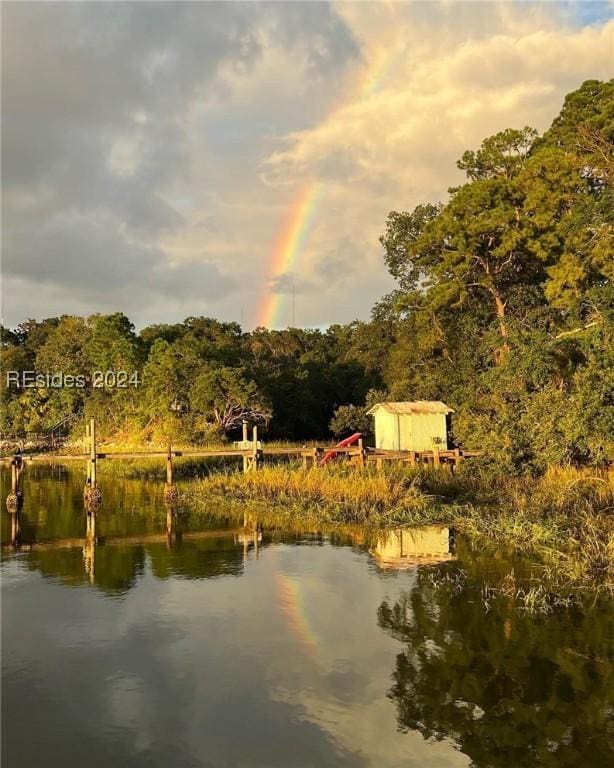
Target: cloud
pixel 125 146
pixel 92 257
pixel 434 81
pixel 151 152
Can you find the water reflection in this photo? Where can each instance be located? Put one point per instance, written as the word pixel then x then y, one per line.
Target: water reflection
pixel 15 528
pixel 510 689
pixel 342 648
pixel 175 522
pixel 113 562
pixel 250 538
pixel 89 546
pixel 107 546
pixel 411 547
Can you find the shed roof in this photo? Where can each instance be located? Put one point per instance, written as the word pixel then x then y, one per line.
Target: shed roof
pixel 413 407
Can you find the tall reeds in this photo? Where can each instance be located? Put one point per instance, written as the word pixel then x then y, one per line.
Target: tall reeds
pixel 564 516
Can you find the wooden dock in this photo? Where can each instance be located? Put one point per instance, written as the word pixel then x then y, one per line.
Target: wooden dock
pixel 309 455
pixel 251 452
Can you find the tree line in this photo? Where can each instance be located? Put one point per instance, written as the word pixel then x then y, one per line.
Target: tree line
pixel 504 309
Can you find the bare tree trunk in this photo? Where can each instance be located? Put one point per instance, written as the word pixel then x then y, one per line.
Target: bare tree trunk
pixel 503 350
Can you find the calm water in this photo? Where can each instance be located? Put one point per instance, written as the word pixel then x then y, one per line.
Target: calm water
pixel 151 637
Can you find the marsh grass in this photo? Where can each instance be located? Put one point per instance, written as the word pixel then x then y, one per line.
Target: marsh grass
pixel 339 495
pixel 563 518
pixel 155 469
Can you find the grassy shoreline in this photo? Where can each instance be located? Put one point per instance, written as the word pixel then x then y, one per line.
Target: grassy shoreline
pixel 563 517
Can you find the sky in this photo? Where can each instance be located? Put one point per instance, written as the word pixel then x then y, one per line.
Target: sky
pixel 239 160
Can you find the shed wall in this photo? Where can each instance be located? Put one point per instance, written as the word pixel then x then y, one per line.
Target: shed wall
pixel 409 432
pixel 426 427
pixel 386 431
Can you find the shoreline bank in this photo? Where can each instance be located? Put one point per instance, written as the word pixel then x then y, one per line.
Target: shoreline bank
pixel 564 518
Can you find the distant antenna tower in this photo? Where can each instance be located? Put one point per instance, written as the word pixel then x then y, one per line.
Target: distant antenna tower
pixel 293 305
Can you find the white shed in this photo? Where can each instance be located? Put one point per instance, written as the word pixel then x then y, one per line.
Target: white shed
pixel 420 425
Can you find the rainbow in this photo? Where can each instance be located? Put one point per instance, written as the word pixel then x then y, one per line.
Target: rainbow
pixel 302 212
pixel 378 73
pixel 369 81
pixel 293 608
pixel 287 249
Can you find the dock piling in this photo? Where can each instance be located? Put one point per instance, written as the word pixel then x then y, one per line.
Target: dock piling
pixel 361 453
pixel 88 475
pixel 92 495
pixel 169 466
pixel 252 461
pixel 93 452
pixel 171 492
pixel 244 443
pixel 14 500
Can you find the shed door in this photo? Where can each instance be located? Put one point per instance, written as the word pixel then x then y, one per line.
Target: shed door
pixel 405 433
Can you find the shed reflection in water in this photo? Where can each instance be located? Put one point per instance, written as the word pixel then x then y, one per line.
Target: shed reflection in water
pixel 112 562
pixel 411 547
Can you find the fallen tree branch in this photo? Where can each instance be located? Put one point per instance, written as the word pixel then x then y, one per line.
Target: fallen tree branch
pixel 578 330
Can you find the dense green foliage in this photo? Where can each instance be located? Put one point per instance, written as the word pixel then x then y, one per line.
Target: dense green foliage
pixel 197 380
pixel 504 310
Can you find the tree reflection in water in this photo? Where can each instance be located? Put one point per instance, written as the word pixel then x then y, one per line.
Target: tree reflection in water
pixel 511 689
